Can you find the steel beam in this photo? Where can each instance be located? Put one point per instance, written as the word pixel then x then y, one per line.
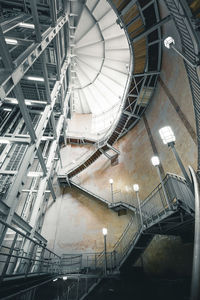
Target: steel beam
pixel 17 220
pixel 25 113
pixel 151 29
pixel 128 7
pixel 12 198
pixel 16 140
pixel 28 58
pixel 132 115
pixel 12 23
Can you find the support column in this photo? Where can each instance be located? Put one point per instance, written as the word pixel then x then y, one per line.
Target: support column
pixel 153 145
pixel 180 113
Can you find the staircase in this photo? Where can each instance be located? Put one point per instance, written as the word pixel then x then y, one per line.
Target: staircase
pixel 116 206
pixel 157 218
pixel 85 271
pixel 144 70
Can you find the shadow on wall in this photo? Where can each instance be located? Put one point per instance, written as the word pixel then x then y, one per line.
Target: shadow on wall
pixel 167 256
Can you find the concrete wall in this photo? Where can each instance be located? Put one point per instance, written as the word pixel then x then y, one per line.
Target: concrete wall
pixel 167 256
pixel 73 224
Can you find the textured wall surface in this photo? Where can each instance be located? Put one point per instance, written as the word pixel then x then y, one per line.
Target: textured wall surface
pixel 74 222
pixel 167 256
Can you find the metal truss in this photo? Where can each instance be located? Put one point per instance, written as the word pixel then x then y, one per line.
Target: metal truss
pixel 35 92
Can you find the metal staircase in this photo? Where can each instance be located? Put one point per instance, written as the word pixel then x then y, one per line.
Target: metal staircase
pixel 116 206
pixel 85 271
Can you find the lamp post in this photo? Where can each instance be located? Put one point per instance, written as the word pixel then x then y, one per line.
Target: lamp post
pixel 168 137
pixel 111 187
pixel 169 43
pixel 136 189
pixel 156 162
pixel 105 231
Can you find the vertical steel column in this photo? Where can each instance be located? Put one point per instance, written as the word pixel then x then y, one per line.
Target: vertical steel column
pixel 112 196
pixel 195 286
pixel 139 207
pixel 105 255
pixel 163 187
pixel 171 145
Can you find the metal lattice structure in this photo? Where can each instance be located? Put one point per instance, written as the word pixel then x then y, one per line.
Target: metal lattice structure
pixel 35 92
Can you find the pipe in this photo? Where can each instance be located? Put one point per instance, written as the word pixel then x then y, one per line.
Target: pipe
pixel 195 284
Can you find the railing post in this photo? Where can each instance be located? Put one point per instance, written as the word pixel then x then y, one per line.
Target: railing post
pixel 87 265
pixel 77 294
pixel 195 286
pixel 105 256
pixel 8 257
pixel 163 187
pixel 95 261
pixel 139 207
pixel 68 289
pixel 115 258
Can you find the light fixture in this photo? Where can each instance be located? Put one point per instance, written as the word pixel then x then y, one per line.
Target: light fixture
pixel 4 141
pixel 35 174
pixel 7 109
pixel 111 181
pixel 167 135
pixel 104 231
pixel 26 25
pixel 11 41
pixel 64 278
pixel 136 187
pixel 11 100
pixel 168 42
pixel 34 78
pixel 55 279
pixel 155 161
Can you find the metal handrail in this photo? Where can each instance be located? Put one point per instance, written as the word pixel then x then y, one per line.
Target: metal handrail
pixel 119 198
pixel 195 286
pixel 17 262
pixel 181 192
pixel 94 263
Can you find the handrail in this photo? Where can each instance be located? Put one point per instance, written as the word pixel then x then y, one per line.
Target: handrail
pixel 124 243
pixel 112 203
pixel 17 262
pixel 94 263
pixel 195 285
pixel 153 208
